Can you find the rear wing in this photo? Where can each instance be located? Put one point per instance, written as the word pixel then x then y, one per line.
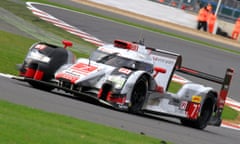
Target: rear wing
pixel 223 81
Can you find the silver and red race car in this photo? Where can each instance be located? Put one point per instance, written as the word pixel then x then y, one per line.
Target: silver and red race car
pixel 128 76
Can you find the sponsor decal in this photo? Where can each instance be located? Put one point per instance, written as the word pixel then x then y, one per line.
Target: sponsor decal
pixel 83 68
pixel 163 60
pixel 77 71
pixel 183 105
pixel 193 110
pixel 196 99
pixel 125 71
pixel 67 76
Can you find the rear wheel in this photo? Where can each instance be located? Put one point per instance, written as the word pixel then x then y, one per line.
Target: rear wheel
pixel 138 96
pixel 204 117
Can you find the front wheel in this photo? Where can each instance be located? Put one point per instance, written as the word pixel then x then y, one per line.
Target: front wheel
pixel 139 94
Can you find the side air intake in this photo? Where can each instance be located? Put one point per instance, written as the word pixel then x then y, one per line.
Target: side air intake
pixel 125 45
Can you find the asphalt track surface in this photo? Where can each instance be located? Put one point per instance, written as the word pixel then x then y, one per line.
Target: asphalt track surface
pixel 165 128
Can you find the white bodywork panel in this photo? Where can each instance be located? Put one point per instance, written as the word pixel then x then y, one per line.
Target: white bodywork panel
pixel 162 79
pixel 164 103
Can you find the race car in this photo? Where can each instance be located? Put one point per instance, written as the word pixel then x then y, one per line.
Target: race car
pixel 128 76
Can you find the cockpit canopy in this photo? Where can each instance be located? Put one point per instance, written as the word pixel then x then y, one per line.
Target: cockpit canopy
pixel 116 60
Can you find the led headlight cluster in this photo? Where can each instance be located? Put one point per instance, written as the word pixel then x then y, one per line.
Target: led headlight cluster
pixel 35 55
pixel 118 80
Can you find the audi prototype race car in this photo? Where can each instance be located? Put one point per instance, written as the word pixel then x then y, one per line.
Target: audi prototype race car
pixel 130 77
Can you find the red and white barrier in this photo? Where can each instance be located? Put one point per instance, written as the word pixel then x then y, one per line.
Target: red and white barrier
pixel 59 23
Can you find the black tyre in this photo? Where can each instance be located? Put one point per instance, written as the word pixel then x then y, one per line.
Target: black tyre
pixel 204 117
pixel 139 94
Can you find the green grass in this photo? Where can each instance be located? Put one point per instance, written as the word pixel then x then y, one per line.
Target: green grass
pixel 13 49
pixel 174 87
pixel 229 113
pixel 23 125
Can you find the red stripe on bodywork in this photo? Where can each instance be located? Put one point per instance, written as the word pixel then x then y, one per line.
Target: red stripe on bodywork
pixel 120 100
pixel 30 73
pixel 222 98
pixel 193 110
pixel 38 75
pixel 69 77
pixel 188 70
pixel 84 68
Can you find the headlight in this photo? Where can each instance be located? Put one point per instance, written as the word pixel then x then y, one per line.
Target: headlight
pixel 118 80
pixel 35 55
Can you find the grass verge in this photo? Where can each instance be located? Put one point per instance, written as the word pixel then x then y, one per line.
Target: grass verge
pixel 13 49
pixel 23 125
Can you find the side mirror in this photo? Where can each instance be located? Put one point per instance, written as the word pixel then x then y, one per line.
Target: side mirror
pixel 159 70
pixel 66 43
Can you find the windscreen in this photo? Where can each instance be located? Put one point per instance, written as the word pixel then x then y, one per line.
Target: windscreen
pixel 115 60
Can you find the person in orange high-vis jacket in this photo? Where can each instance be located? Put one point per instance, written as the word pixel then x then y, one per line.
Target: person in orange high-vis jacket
pixel 236 30
pixel 209 8
pixel 211 22
pixel 202 18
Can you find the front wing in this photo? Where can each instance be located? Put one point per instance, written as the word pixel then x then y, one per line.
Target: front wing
pixel 53 84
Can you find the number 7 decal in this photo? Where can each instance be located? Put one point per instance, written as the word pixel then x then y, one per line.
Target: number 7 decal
pixel 193 110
